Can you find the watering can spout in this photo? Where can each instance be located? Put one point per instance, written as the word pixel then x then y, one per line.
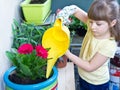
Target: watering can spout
pixel 57 38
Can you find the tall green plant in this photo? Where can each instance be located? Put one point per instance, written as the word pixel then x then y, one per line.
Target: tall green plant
pixel 27 33
pixel 77 27
pixel 76 23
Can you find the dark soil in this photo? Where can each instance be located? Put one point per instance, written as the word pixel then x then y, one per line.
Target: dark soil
pixel 37 1
pixel 14 78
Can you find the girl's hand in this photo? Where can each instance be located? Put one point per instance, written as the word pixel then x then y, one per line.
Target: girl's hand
pixel 66 12
pixel 67 53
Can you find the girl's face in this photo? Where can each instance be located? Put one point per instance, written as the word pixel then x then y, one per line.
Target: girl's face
pixel 100 29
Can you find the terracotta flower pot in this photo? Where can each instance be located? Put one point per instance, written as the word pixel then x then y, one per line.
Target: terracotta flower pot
pixel 62 62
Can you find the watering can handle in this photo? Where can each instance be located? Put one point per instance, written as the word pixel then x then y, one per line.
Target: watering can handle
pixel 58 22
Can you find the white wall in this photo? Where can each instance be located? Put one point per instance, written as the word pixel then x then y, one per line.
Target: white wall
pixel 9 9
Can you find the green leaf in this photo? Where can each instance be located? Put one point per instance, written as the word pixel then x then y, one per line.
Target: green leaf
pixel 12 57
pixel 25 70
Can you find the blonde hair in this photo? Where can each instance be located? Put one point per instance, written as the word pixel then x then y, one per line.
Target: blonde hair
pixel 107 10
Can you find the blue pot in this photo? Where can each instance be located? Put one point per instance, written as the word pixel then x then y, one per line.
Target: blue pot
pixel 49 84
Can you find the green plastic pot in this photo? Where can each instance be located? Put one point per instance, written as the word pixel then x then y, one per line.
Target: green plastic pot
pixel 36 13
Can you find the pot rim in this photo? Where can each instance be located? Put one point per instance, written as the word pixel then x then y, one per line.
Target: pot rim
pixel 29 86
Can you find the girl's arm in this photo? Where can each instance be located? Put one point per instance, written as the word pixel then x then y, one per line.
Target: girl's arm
pixel 97 61
pixel 81 15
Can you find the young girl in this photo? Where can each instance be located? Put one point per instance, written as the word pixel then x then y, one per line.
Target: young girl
pixel 99 44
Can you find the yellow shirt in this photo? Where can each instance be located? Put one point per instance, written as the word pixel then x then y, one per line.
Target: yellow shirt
pixel 90 46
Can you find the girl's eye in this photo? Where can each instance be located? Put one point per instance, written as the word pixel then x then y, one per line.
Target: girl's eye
pixel 90 22
pixel 98 24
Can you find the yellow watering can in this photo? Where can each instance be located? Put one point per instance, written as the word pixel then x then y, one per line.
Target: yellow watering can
pixel 57 38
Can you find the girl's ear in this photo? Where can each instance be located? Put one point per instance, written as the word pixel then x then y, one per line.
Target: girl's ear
pixel 113 23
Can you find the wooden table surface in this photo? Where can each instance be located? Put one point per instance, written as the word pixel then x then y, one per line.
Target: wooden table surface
pixel 66 78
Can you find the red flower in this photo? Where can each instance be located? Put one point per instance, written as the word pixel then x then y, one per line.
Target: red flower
pixel 70 19
pixel 41 51
pixel 25 49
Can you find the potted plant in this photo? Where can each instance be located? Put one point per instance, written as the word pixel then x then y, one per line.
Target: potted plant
pixel 62 62
pixel 27 33
pixel 36 11
pixel 77 27
pixel 29 61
